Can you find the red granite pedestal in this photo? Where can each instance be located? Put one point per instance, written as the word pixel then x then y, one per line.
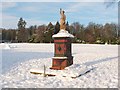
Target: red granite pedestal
pixel 62 54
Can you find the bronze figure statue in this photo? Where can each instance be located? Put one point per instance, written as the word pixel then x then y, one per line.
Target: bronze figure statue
pixel 62 20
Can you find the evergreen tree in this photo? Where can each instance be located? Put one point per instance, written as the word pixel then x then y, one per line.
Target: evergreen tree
pixel 21 24
pixel 49 32
pixel 57 28
pixel 67 27
pixel 22 33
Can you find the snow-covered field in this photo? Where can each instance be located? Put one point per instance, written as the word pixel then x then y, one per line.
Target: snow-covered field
pixel 19 59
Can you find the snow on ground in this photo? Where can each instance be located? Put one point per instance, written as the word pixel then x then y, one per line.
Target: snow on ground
pixel 19 59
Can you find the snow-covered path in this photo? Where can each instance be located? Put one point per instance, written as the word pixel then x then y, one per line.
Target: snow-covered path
pixel 20 58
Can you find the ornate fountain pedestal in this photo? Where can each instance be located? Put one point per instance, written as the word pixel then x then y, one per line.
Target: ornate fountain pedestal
pixel 62 54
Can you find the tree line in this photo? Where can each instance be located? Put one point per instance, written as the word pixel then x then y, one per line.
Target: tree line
pixel 92 33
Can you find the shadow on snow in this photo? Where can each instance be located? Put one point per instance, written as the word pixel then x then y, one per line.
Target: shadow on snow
pixel 11 58
pixel 100 60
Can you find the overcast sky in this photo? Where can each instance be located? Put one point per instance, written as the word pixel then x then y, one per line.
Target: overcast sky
pixel 37 13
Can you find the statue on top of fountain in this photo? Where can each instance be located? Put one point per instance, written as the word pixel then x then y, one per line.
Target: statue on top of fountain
pixel 62 20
